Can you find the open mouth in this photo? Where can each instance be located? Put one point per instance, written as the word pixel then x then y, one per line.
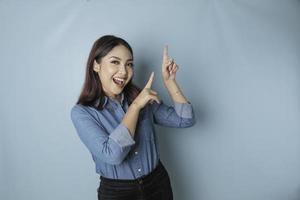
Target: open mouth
pixel 118 81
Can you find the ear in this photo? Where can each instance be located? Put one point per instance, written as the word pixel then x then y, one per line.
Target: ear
pixel 96 66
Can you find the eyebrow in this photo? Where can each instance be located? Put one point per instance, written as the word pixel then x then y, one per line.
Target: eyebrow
pixel 120 58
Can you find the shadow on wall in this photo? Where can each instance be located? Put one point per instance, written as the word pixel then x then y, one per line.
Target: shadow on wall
pixel 297 195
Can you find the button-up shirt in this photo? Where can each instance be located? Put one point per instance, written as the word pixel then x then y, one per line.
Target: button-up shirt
pixel 118 155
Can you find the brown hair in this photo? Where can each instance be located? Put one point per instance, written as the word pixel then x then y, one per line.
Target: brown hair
pixel 92 87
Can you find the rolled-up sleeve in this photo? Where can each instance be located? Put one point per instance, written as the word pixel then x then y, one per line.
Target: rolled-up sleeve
pixel 184 110
pixel 179 115
pixel 111 148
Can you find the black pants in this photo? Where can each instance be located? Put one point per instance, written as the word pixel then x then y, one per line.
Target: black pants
pixel 154 186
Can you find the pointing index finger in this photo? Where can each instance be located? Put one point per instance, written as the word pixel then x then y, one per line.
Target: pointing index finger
pixel 166 52
pixel 150 81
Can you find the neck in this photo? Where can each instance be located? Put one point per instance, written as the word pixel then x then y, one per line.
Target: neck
pixel 116 97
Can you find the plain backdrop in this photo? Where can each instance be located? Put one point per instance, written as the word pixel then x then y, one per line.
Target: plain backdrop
pixel 239 66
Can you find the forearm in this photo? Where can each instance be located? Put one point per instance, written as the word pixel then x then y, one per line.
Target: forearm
pixel 130 118
pixel 175 92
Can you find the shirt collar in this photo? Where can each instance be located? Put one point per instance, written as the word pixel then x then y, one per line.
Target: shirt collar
pixel 107 99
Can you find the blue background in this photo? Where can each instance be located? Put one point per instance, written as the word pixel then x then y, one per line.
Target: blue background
pixel 238 63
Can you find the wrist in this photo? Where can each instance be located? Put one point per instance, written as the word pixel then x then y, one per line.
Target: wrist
pixel 135 105
pixel 169 82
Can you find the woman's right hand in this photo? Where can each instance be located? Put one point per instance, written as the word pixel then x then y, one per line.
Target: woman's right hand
pixel 146 95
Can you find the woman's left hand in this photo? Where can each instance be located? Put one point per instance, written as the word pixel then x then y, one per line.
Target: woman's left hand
pixel 169 67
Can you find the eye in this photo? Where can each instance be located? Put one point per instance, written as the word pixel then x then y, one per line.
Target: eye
pixel 115 62
pixel 130 64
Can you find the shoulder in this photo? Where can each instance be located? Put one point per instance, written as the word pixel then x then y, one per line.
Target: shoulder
pixel 80 110
pixel 77 109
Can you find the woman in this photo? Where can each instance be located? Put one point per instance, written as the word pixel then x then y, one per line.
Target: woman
pixel 115 120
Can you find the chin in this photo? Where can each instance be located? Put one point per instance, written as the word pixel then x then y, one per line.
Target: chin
pixel 118 91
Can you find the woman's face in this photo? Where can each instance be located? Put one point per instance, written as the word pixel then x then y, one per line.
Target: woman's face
pixel 115 70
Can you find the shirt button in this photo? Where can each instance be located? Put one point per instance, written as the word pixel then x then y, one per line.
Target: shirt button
pixel 136 153
pixel 139 170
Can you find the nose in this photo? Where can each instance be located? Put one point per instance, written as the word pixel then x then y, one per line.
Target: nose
pixel 123 69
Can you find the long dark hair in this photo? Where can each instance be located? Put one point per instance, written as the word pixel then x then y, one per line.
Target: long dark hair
pixel 92 88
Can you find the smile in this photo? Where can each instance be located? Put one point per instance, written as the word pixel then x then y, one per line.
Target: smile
pixel 119 81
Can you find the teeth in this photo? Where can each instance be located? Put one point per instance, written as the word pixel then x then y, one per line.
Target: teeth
pixel 119 80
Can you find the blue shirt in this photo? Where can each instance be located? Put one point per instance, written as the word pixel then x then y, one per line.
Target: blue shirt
pixel 116 154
